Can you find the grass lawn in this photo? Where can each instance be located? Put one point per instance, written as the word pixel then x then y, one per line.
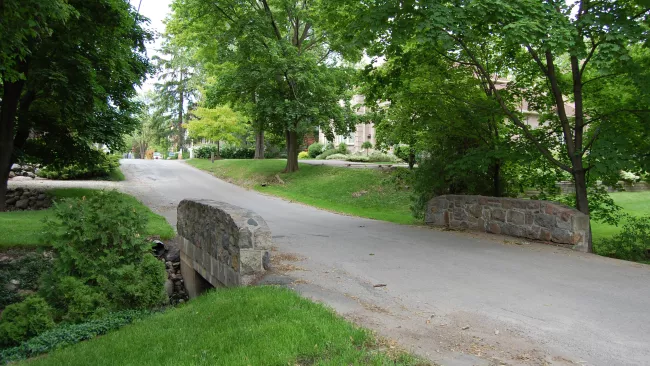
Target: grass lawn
pixel 358 192
pixel 238 326
pixel 633 203
pixel 116 175
pixel 25 228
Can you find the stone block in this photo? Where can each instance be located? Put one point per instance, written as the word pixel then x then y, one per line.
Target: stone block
pixel 459 214
pixel 494 227
pixel 562 236
pixel 251 261
pixel 516 217
pixel 475 210
pixel 580 222
pixel 545 234
pixel 544 220
pixel 498 215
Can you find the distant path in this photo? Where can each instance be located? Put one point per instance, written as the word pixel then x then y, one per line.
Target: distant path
pixel 460 299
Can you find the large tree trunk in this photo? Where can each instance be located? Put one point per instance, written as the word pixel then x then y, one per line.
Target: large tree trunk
pixel 10 98
pixel 259 144
pixel 292 152
pixel 582 201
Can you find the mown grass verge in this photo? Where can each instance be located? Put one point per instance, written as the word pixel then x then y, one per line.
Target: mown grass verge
pixel 239 326
pixel 359 192
pixel 25 228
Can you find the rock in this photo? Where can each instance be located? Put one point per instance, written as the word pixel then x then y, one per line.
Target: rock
pixel 19 178
pixel 31 175
pixel 41 196
pixel 173 254
pixel 11 174
pixel 22 204
pixel 266 261
pixel 11 200
pixel 16 168
pixel 169 287
pixel 181 301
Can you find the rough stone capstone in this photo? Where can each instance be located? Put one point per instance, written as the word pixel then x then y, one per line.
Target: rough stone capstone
pixel 538 220
pixel 224 244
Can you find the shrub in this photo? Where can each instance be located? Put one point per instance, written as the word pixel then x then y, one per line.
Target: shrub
pixel 343 148
pixel 327 153
pixel 329 146
pixel 203 152
pixel 100 166
pixel 358 158
pixel 632 243
pixel 378 156
pixel 230 152
pixel 366 145
pixel 337 157
pixel 103 261
pixel 303 155
pixel 24 320
pixel 315 149
pixel 69 334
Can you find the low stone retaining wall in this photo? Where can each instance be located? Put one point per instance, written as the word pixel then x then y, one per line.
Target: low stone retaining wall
pixel 21 199
pixel 538 220
pixel 224 244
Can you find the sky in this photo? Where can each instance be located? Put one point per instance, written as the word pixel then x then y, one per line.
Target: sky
pixel 156 11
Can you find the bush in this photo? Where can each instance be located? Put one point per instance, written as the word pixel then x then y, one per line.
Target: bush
pixel 227 152
pixel 343 148
pixel 315 149
pixel 358 158
pixel 327 153
pixel 103 261
pixel 329 146
pixel 337 157
pixel 632 243
pixel 100 166
pixel 303 155
pixel 24 320
pixel 378 156
pixel 69 334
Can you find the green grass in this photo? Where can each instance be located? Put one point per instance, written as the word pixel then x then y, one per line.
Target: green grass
pixel 116 175
pixel 633 203
pixel 25 228
pixel 326 187
pixel 238 326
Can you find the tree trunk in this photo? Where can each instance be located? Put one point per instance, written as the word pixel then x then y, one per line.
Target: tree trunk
pixel 582 201
pixel 259 144
pixel 292 152
pixel 496 180
pixel 218 149
pixel 10 97
pixel 411 161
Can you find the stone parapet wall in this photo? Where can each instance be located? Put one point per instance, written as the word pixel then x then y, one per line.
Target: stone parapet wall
pixel 538 220
pixel 226 245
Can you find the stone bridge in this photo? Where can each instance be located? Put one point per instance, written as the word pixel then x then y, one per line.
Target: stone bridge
pixel 538 220
pixel 221 245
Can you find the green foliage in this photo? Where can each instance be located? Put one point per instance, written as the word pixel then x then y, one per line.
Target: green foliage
pixel 632 243
pixel 216 124
pixel 358 158
pixel 103 260
pixel 337 157
pixel 100 166
pixel 27 268
pixel 366 145
pixel 24 320
pixel 303 155
pixel 602 207
pixel 315 149
pixel 228 152
pixel 68 334
pixel 69 81
pixel 327 153
pixel 343 148
pixel 381 157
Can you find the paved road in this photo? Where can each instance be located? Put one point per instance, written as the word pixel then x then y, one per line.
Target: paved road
pixel 459 299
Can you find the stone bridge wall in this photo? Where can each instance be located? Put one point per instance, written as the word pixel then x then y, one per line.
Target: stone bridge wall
pixel 224 244
pixel 539 220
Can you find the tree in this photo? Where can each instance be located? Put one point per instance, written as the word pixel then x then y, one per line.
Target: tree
pixel 67 79
pixel 177 87
pixel 556 54
pixel 217 124
pixel 366 145
pixel 280 60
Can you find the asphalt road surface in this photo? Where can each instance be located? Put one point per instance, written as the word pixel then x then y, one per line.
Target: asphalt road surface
pixel 456 298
